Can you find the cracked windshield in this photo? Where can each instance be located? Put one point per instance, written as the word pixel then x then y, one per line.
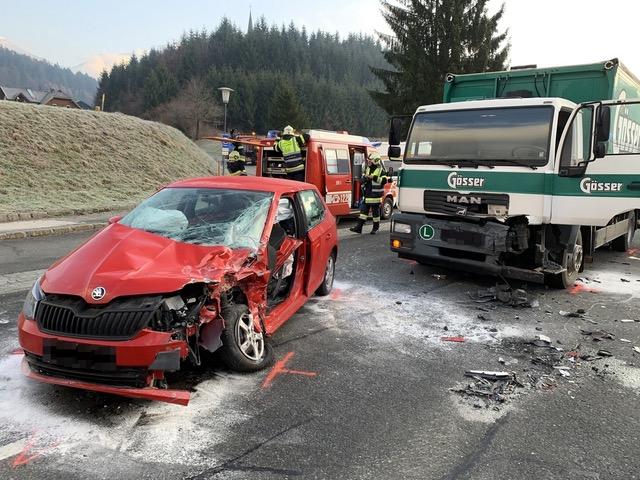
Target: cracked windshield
pixel 204 216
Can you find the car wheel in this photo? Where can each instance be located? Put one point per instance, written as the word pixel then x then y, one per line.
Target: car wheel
pixel 623 243
pixel 387 208
pixel 243 349
pixel 572 265
pixel 329 274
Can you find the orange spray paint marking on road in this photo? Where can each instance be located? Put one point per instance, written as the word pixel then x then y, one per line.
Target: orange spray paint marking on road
pixel 280 368
pixel 632 252
pixel 28 453
pixel 17 351
pixel 336 294
pixel 581 288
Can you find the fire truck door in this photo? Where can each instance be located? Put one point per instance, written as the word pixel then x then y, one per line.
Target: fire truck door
pixel 338 180
pixel 357 167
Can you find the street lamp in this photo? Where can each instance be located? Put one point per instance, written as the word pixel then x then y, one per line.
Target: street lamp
pixel 226 93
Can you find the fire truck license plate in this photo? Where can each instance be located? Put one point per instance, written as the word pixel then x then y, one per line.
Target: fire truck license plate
pixel 338 197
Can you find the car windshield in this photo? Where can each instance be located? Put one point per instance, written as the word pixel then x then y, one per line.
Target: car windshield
pixel 204 216
pixel 489 136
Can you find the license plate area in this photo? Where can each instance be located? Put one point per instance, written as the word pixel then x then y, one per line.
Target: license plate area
pixel 79 355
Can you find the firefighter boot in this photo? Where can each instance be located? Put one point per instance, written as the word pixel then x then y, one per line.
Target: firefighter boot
pixel 358 227
pixel 376 227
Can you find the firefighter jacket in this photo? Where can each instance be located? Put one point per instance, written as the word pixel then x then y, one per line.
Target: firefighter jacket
pixel 290 147
pixel 374 186
pixel 236 167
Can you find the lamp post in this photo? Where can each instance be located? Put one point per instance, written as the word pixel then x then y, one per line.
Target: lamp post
pixel 226 93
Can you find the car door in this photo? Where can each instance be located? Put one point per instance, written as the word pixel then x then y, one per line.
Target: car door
pixel 338 179
pixel 321 232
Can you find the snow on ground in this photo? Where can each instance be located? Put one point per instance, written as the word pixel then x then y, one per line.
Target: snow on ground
pixel 149 431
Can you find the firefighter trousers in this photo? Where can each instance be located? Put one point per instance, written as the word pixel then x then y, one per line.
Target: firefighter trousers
pixel 375 211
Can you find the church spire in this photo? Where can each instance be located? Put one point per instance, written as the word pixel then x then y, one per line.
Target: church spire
pixel 250 26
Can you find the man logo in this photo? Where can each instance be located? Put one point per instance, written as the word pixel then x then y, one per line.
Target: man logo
pixel 98 293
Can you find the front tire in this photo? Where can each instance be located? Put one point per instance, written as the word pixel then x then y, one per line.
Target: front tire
pixel 329 274
pixel 386 209
pixel 243 349
pixel 623 243
pixel 572 265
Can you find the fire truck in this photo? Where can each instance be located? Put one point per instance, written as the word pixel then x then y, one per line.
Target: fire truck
pixel 334 163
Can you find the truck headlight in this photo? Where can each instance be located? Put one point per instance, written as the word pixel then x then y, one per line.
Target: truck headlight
pixel 33 297
pixel 401 227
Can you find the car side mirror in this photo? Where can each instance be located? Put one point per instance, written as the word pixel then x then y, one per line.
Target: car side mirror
pixel 394 152
pixel 115 219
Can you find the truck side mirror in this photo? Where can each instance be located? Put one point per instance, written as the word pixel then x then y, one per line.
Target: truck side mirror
pixel 600 149
pixel 603 125
pixel 398 129
pixel 394 152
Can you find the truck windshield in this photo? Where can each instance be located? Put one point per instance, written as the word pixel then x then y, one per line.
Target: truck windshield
pixel 491 136
pixel 204 216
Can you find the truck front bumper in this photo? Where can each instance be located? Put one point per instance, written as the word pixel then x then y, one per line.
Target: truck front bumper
pixel 457 244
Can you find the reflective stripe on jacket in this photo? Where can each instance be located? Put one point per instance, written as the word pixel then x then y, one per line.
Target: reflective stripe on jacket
pixel 236 167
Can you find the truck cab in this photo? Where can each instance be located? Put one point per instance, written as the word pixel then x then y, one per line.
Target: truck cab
pixel 522 187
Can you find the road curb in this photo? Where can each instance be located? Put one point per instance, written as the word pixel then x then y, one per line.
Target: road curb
pixel 43 232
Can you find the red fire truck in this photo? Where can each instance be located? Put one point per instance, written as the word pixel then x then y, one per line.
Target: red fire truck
pixel 334 164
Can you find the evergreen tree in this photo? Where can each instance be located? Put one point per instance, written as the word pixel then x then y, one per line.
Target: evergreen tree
pixel 285 109
pixel 431 38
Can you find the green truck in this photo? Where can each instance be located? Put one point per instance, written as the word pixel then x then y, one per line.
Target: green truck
pixel 522 173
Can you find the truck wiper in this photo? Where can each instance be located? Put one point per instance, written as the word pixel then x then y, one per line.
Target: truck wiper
pixel 516 162
pixel 477 163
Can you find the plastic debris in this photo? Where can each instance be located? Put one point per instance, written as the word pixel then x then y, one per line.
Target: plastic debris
pixel 458 339
pixel 626 320
pixel 502 361
pixel 577 314
pixel 605 353
pixel 598 335
pixel 517 298
pixel 489 385
pixel 636 349
pixel 541 341
pixel 624 340
pixel 438 276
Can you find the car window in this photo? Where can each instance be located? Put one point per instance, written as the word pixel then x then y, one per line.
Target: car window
pixel 312 206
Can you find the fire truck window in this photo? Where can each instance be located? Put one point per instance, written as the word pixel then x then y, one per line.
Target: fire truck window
pixel 343 161
pixel 331 158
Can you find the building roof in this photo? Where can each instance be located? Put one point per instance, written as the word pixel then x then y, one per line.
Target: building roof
pixel 34 96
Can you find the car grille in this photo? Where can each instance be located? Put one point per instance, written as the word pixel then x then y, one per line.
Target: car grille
pixel 454 203
pixel 78 368
pixel 121 319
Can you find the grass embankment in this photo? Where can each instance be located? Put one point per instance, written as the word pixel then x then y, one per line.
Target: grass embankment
pixel 59 161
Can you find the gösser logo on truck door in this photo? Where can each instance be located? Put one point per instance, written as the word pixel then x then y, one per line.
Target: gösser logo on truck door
pixel 454 180
pixel 426 232
pixel 587 185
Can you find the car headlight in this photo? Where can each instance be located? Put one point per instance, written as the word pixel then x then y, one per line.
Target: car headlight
pixel 401 227
pixel 33 297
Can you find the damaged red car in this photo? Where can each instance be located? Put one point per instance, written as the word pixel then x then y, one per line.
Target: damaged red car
pixel 215 264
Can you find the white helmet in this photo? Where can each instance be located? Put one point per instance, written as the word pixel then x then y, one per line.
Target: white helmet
pixel 235 155
pixel 374 156
pixel 288 130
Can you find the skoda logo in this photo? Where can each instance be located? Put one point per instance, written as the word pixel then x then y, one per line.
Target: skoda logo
pixel 98 293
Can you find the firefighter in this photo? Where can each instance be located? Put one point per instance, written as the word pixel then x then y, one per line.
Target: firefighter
pixel 373 181
pixel 236 164
pixel 290 146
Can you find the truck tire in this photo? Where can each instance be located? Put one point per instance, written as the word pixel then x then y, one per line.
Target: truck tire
pixel 572 267
pixel 243 349
pixel 623 243
pixel 386 209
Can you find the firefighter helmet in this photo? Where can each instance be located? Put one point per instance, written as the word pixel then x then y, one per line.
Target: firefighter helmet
pixel 374 156
pixel 235 155
pixel 288 130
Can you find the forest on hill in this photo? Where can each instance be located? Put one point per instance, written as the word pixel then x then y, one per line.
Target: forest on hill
pixel 280 75
pixel 22 71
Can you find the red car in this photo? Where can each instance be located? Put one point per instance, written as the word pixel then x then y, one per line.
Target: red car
pixel 216 264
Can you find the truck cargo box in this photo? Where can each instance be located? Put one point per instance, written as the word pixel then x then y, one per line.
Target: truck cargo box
pixel 608 80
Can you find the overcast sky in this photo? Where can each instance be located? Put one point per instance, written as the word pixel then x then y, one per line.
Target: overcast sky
pixel 545 32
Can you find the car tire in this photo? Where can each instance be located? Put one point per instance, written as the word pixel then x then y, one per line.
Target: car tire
pixel 329 274
pixel 386 209
pixel 623 243
pixel 238 352
pixel 572 267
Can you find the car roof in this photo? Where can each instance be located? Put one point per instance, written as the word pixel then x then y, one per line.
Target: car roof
pixel 262 184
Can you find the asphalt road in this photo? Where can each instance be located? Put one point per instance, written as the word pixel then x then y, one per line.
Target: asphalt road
pixel 376 402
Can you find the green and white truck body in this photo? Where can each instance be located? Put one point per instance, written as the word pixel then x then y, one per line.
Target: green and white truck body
pixel 525 186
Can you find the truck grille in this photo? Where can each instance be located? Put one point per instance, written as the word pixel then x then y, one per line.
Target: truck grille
pixel 121 319
pixel 454 203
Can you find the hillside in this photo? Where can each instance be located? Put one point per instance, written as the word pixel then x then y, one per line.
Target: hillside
pixel 326 77
pixel 24 71
pixel 56 160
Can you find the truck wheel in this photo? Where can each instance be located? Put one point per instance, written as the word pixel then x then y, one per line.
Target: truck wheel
pixel 572 265
pixel 243 349
pixel 623 243
pixel 329 274
pixel 386 210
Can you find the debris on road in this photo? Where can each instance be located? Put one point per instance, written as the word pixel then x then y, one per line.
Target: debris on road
pixel 598 335
pixel 489 375
pixel 458 339
pixel 636 349
pixel 517 298
pixel 439 276
pixel 625 340
pixel 626 320
pixel 490 386
pixel 541 341
pixel 605 353
pixel 577 314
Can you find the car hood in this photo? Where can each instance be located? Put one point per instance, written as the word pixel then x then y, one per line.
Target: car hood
pixel 126 261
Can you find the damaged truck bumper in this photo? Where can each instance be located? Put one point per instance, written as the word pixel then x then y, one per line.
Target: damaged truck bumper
pixel 469 246
pixel 127 368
